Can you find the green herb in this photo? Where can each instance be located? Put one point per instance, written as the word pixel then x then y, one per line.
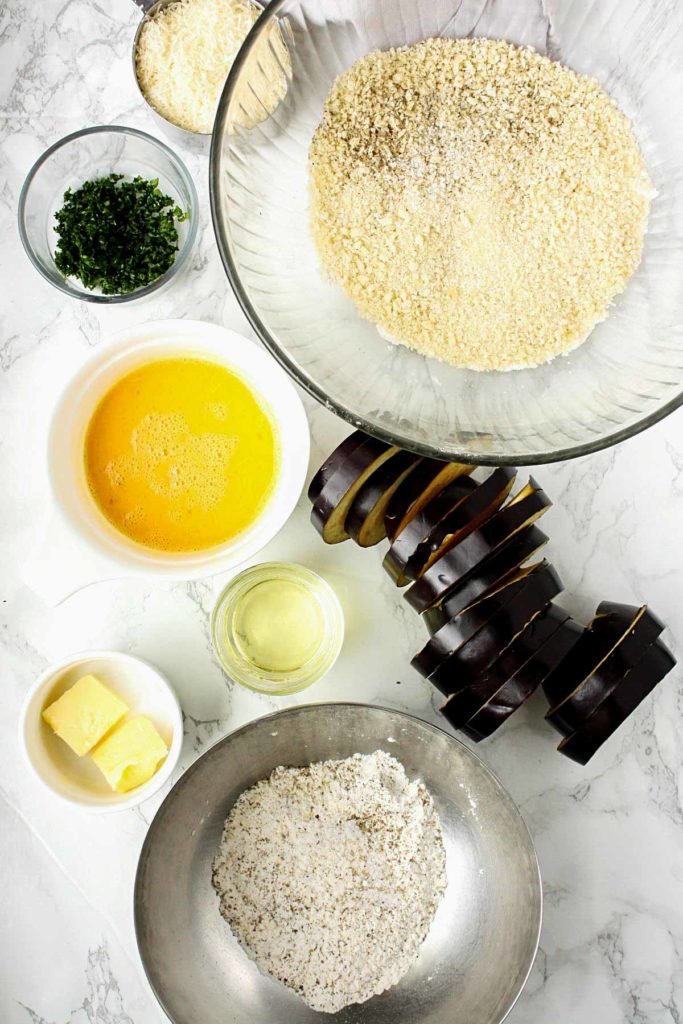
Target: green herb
pixel 117 235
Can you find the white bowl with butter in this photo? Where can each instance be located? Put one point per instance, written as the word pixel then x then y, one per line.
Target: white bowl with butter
pixel 77 779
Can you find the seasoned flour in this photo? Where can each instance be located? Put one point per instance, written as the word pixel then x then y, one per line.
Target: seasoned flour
pixel 330 876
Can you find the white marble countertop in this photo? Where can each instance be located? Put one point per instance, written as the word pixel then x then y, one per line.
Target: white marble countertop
pixel 609 836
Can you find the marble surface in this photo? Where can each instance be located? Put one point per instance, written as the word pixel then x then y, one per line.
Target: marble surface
pixel 609 836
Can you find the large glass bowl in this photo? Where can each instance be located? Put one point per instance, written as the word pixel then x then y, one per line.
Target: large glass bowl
pixel 629 373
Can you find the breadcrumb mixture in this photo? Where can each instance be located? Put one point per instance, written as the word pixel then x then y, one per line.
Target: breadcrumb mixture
pixel 330 876
pixel 480 203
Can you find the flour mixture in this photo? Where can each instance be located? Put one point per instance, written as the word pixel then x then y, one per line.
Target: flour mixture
pixel 330 876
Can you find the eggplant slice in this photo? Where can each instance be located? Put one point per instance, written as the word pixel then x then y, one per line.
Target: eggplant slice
pixel 400 558
pixel 600 637
pixel 641 680
pixel 465 624
pixel 365 519
pixel 335 460
pixel 520 686
pixel 342 481
pixel 606 674
pixel 425 483
pixel 553 632
pixel 462 666
pixel 461 560
pixel 466 517
pixel 489 576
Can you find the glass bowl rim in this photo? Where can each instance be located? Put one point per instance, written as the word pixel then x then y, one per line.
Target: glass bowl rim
pixel 183 251
pixel 307 383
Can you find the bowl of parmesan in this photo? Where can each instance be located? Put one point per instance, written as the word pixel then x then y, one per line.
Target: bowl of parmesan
pixel 182 54
pixel 460 227
pixel 338 862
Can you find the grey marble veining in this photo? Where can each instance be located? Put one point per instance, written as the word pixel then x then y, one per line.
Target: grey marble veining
pixel 609 836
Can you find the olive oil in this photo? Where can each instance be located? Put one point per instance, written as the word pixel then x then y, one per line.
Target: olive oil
pixel 277 627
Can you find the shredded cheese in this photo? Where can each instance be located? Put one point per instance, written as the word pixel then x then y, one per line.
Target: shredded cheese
pixel 184 55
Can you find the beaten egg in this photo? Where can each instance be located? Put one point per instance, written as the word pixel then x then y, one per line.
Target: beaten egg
pixel 180 455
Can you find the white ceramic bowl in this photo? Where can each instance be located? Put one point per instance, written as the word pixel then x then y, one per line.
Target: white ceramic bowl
pixel 77 780
pixel 91 549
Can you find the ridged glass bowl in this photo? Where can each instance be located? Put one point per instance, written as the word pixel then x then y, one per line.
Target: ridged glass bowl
pixel 626 376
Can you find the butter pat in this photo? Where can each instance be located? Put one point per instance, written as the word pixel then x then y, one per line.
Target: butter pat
pixel 84 714
pixel 131 754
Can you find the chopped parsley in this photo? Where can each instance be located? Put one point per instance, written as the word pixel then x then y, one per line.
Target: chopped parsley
pixel 117 235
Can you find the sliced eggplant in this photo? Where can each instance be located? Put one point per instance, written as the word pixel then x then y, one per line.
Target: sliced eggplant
pixel 461 627
pixel 553 624
pixel 490 574
pixel 342 479
pixel 425 483
pixel 465 518
pixel 626 651
pixel 338 458
pixel 641 680
pixel 519 687
pixel 461 668
pixel 365 519
pixel 600 637
pixel 461 560
pixel 400 556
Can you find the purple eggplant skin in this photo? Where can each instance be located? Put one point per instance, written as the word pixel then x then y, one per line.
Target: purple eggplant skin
pixel 402 551
pixel 601 635
pixel 519 687
pixel 465 517
pixel 463 626
pixel 343 478
pixel 336 460
pixel 374 489
pixel 553 628
pixel 409 492
pixel 463 559
pixel 505 562
pixel 656 663
pixel 570 714
pixel 462 668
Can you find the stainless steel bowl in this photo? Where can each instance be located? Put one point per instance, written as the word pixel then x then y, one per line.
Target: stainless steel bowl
pixel 484 937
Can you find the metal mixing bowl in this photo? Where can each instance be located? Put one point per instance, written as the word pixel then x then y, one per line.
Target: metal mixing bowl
pixel 627 375
pixel 483 939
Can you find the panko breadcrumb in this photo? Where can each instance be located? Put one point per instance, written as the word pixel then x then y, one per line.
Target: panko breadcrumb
pixel 479 202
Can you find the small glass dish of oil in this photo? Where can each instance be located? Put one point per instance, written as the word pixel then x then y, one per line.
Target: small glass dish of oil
pixel 277 628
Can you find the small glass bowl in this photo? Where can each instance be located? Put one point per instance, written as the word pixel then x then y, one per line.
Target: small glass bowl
pixel 95 153
pixel 225 627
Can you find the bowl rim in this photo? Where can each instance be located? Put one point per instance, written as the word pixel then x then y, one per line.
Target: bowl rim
pixel 316 390
pixel 297 709
pixel 182 253
pixel 141 793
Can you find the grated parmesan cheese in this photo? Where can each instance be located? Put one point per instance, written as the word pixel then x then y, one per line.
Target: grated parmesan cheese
pixel 184 55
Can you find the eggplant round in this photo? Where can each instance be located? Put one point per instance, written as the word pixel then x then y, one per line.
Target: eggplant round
pixel 465 624
pixel 461 668
pixel 365 519
pixel 336 459
pixel 553 632
pixel 519 687
pixel 490 574
pixel 430 477
pixel 342 480
pixel 400 558
pixel 462 560
pixel 641 680
pixel 590 691
pixel 602 635
pixel 467 516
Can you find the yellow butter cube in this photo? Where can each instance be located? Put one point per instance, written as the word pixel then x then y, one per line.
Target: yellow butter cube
pixel 85 713
pixel 131 754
